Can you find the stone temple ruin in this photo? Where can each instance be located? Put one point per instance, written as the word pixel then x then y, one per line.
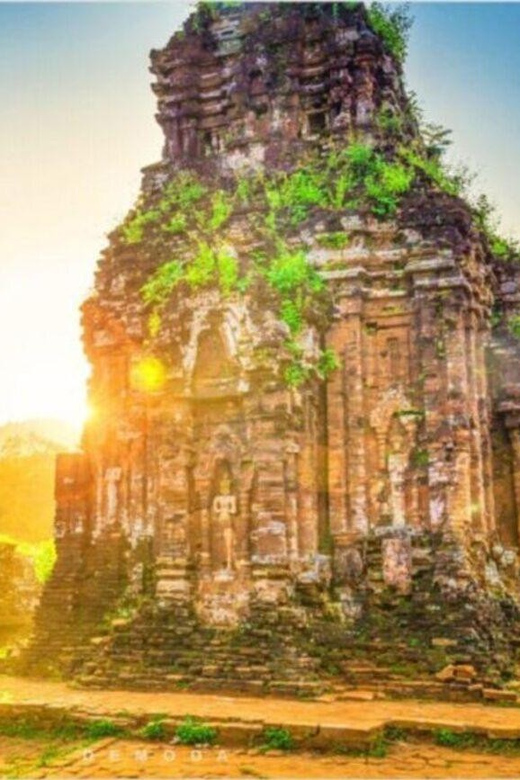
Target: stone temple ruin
pixel 306 444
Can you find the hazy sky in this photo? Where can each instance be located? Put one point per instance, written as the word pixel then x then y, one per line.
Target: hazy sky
pixel 77 125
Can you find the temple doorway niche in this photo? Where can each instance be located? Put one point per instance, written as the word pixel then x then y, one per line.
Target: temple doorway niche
pixel 173 537
pixel 224 509
pixel 214 371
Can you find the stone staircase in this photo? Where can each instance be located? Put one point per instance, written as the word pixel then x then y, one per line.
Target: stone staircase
pixel 169 651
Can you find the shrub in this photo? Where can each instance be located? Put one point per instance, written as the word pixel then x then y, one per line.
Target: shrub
pixel 449 738
pixel 327 363
pixel 193 731
pixel 42 556
pixel 291 314
pixel 296 374
pixel 227 269
pixel 514 325
pixel 221 210
pixel 393 26
pixel 99 729
pixel 276 738
pixel 176 224
pixel 182 192
pixel 290 270
pixel 133 230
pixel 154 731
pixel 161 284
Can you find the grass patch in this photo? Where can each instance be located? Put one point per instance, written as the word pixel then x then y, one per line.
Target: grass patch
pixel 99 729
pixel 468 740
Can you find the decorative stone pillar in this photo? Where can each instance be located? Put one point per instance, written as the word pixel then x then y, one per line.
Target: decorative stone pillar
pixel 439 296
pixel 346 414
pixel 355 421
pixel 459 496
pixel 291 504
pixel 478 495
pixel 484 418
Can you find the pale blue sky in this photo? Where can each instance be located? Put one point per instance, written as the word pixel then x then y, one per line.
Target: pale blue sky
pixel 77 125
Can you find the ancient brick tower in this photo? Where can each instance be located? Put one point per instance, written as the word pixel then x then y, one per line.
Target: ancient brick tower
pixel 304 423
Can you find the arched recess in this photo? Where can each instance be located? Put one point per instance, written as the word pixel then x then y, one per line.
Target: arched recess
pixel 214 369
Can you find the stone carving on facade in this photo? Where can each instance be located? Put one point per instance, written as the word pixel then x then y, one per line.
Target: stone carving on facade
pixel 224 510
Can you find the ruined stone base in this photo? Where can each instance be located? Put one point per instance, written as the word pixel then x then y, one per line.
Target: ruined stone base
pixel 406 613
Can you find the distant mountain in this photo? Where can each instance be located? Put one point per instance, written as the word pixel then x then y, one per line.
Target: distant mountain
pixel 27 462
pixel 55 431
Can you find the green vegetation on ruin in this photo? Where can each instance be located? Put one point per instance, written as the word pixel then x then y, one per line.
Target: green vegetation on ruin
pixel 42 555
pixel 191 220
pixel 103 728
pixel 357 176
pixel 154 731
pixel 393 25
pixel 193 731
pixel 277 738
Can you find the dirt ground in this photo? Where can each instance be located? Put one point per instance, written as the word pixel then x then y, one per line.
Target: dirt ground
pixel 113 758
pixel 358 716
pixel 45 755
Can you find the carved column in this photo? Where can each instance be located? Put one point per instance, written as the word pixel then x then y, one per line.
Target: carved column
pixel 439 295
pixel 458 444
pixel 291 511
pixel 484 412
pixel 346 418
pixel 355 421
pixel 337 430
pixel 478 497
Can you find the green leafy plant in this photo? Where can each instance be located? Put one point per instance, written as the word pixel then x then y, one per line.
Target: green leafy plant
pixel 434 171
pixel 514 325
pixel 388 122
pixel 154 731
pixel 176 224
pixel 378 748
pixel 290 270
pixel 420 458
pixel 209 264
pixel 327 363
pixel 221 209
pixel 506 249
pixel 393 26
pixel 291 314
pixel 42 555
pixel 133 230
pixel 277 738
pixel 98 729
pixel 193 731
pixel 296 374
pixel 337 240
pixel 452 739
pixel 160 286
